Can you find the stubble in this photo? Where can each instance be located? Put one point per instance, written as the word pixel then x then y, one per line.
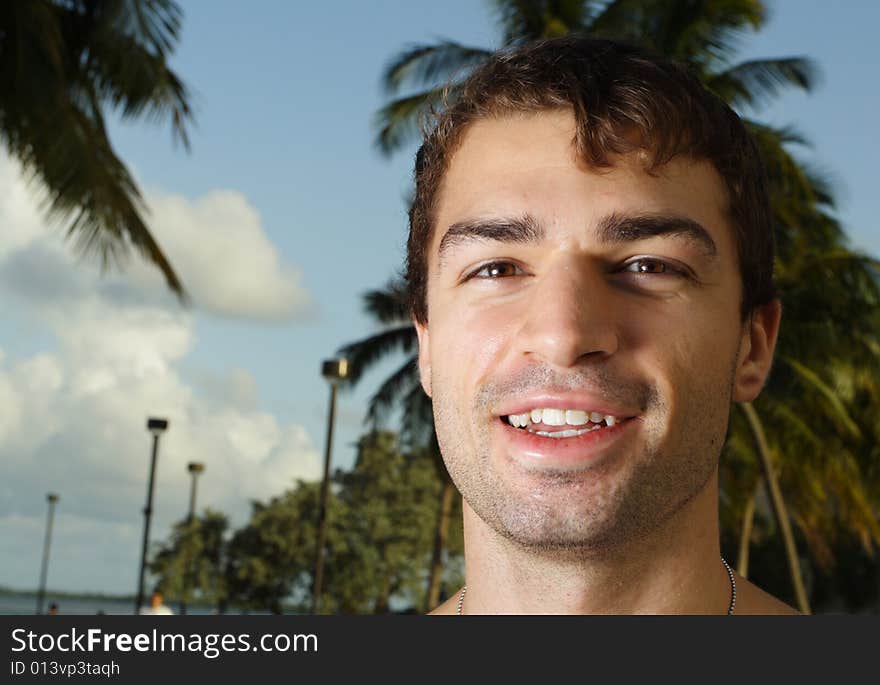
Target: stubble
pixel 603 506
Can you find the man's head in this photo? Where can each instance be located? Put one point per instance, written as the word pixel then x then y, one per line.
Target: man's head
pixel 157 598
pixel 590 235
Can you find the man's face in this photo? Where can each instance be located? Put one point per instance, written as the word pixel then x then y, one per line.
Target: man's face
pixel 556 291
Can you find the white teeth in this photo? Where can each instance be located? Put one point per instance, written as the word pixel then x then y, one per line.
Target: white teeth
pixel 560 417
pixel 564 434
pixel 554 417
pixel 576 417
pixel 519 420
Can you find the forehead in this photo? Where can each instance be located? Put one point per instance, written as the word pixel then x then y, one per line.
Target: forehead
pixel 528 163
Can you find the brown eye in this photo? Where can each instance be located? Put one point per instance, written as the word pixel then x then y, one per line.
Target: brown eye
pixel 497 270
pixel 650 266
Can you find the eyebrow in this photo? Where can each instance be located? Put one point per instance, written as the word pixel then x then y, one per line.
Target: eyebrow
pixel 523 229
pixel 613 229
pixel 624 228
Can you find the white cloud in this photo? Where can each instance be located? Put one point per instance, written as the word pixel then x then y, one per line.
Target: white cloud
pixel 74 422
pixel 216 244
pixel 73 415
pixel 21 223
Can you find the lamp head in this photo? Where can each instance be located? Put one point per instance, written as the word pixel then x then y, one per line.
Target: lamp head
pixel 335 369
pixel 157 425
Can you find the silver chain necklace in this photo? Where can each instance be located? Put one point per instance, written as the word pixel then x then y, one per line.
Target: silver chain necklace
pixel 723 561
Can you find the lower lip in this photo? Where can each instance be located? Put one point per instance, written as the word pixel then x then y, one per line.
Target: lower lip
pixel 537 451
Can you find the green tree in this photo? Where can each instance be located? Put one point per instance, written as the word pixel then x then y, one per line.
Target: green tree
pixel 821 451
pixel 190 565
pixel 270 559
pixel 821 411
pixel 391 498
pixel 380 519
pixel 830 293
pixel 402 391
pixel 63 64
pixel 704 33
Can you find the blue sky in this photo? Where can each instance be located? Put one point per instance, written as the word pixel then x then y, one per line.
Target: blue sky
pixel 281 217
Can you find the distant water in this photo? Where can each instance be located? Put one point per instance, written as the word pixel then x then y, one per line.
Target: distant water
pixel 27 605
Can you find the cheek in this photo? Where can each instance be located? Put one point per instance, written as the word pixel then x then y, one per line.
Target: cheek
pixel 691 331
pixel 687 354
pixel 467 344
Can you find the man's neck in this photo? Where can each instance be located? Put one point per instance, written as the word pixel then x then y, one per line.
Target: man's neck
pixel 675 569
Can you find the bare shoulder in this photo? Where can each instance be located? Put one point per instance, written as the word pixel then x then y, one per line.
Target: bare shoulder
pixel 447 608
pixel 750 599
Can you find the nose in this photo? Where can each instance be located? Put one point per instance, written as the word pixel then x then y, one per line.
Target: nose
pixel 569 316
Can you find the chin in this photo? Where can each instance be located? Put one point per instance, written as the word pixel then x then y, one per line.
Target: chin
pixel 554 524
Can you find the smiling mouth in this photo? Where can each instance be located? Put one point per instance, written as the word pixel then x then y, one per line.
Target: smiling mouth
pixel 561 423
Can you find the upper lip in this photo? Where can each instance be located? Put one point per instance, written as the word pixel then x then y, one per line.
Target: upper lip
pixel 585 402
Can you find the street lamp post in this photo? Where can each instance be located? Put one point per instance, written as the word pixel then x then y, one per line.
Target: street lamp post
pixel 156 427
pixel 195 468
pixel 52 498
pixel 334 370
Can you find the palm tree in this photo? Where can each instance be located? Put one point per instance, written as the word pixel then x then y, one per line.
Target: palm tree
pixel 820 405
pixel 62 64
pixel 402 390
pixel 703 33
pixel 832 325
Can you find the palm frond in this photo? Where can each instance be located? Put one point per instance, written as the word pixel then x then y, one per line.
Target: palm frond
pixel 137 82
pixel 821 184
pixel 61 64
pixel 567 16
pixel 619 19
pixel 389 394
pixel 790 180
pixel 400 120
pixel 755 82
pixel 525 20
pixel 520 20
pixel 388 305
pixel 420 65
pixel 796 424
pixel 704 33
pixel 366 353
pixel 69 155
pixel 121 51
pixel 417 422
pixel 155 23
pixel 784 135
pixel 835 405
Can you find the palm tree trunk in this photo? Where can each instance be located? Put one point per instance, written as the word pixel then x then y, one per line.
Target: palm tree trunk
pixel 382 602
pixel 440 537
pixel 745 538
pixel 779 510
